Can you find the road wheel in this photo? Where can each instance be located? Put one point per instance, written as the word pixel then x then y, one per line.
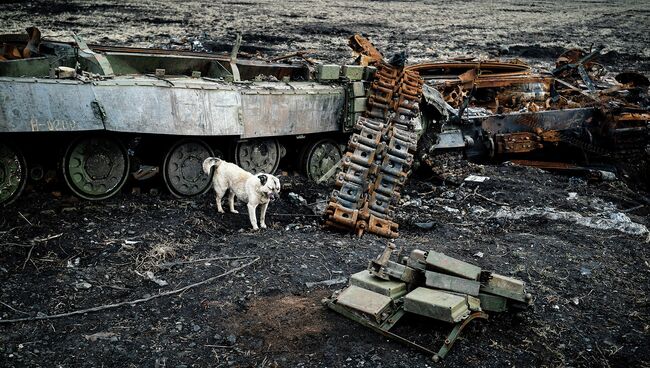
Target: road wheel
pixel 183 168
pixel 258 155
pixel 318 157
pixel 95 168
pixel 13 174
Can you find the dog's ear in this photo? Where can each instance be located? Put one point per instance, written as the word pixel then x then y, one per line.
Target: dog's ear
pixel 262 178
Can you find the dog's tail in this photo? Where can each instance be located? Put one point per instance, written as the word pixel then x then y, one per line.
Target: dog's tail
pixel 210 164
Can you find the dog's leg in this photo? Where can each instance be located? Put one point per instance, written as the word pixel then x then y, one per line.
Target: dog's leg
pixel 231 202
pixel 263 215
pixel 220 193
pixel 252 216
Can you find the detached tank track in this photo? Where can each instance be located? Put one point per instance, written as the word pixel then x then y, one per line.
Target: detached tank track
pixel 379 155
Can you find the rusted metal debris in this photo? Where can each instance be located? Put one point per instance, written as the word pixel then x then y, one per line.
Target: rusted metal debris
pixel 428 284
pixel 379 155
pixel 364 50
pixel 516 112
pixel 490 110
pixel 588 173
pixel 10 51
pixel 501 110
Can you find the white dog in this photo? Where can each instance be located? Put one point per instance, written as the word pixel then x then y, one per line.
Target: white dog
pixel 255 190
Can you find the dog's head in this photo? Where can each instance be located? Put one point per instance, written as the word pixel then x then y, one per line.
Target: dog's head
pixel 269 186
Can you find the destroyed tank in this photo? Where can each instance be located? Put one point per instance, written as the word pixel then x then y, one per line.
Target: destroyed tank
pixel 436 113
pixel 97 115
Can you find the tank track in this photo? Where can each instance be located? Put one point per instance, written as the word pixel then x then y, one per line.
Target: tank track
pixel 379 156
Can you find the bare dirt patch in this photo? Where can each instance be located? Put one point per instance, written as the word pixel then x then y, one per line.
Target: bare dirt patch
pixel 285 323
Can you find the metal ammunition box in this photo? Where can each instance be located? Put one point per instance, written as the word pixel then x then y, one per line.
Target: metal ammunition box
pixel 492 303
pixel 392 289
pixel 359 104
pixel 506 287
pixel 440 262
pixel 357 89
pixel 452 283
pixel 402 272
pixel 353 72
pixel 327 72
pixel 365 301
pixel 436 304
pixel 474 303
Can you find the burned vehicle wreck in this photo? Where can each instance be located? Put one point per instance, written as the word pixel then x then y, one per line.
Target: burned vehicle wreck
pixel 540 119
pixel 98 114
pixel 576 119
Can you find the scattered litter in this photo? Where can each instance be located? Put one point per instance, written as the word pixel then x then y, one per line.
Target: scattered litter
pixel 73 262
pixel 584 271
pixel 162 252
pixel 153 278
pixel 297 198
pixel 447 194
pixel 476 178
pixel 450 209
pixel 82 285
pixel 330 282
pixel 477 210
pixel 572 195
pixel 425 225
pixel 318 207
pixel 110 336
pixel 479 254
pixel 414 202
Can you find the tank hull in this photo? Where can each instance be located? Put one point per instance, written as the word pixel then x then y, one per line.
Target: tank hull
pixel 176 106
pixel 88 112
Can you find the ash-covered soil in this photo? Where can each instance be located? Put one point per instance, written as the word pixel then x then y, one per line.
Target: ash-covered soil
pixel 430 29
pixel 582 255
pixel 581 247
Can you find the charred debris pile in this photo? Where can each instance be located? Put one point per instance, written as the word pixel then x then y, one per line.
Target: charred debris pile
pixel 577 119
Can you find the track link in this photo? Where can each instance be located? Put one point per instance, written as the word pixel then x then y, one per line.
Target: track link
pixel 379 155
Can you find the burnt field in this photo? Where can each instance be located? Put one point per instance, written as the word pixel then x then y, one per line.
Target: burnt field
pixel 580 246
pixel 584 259
pixel 433 29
